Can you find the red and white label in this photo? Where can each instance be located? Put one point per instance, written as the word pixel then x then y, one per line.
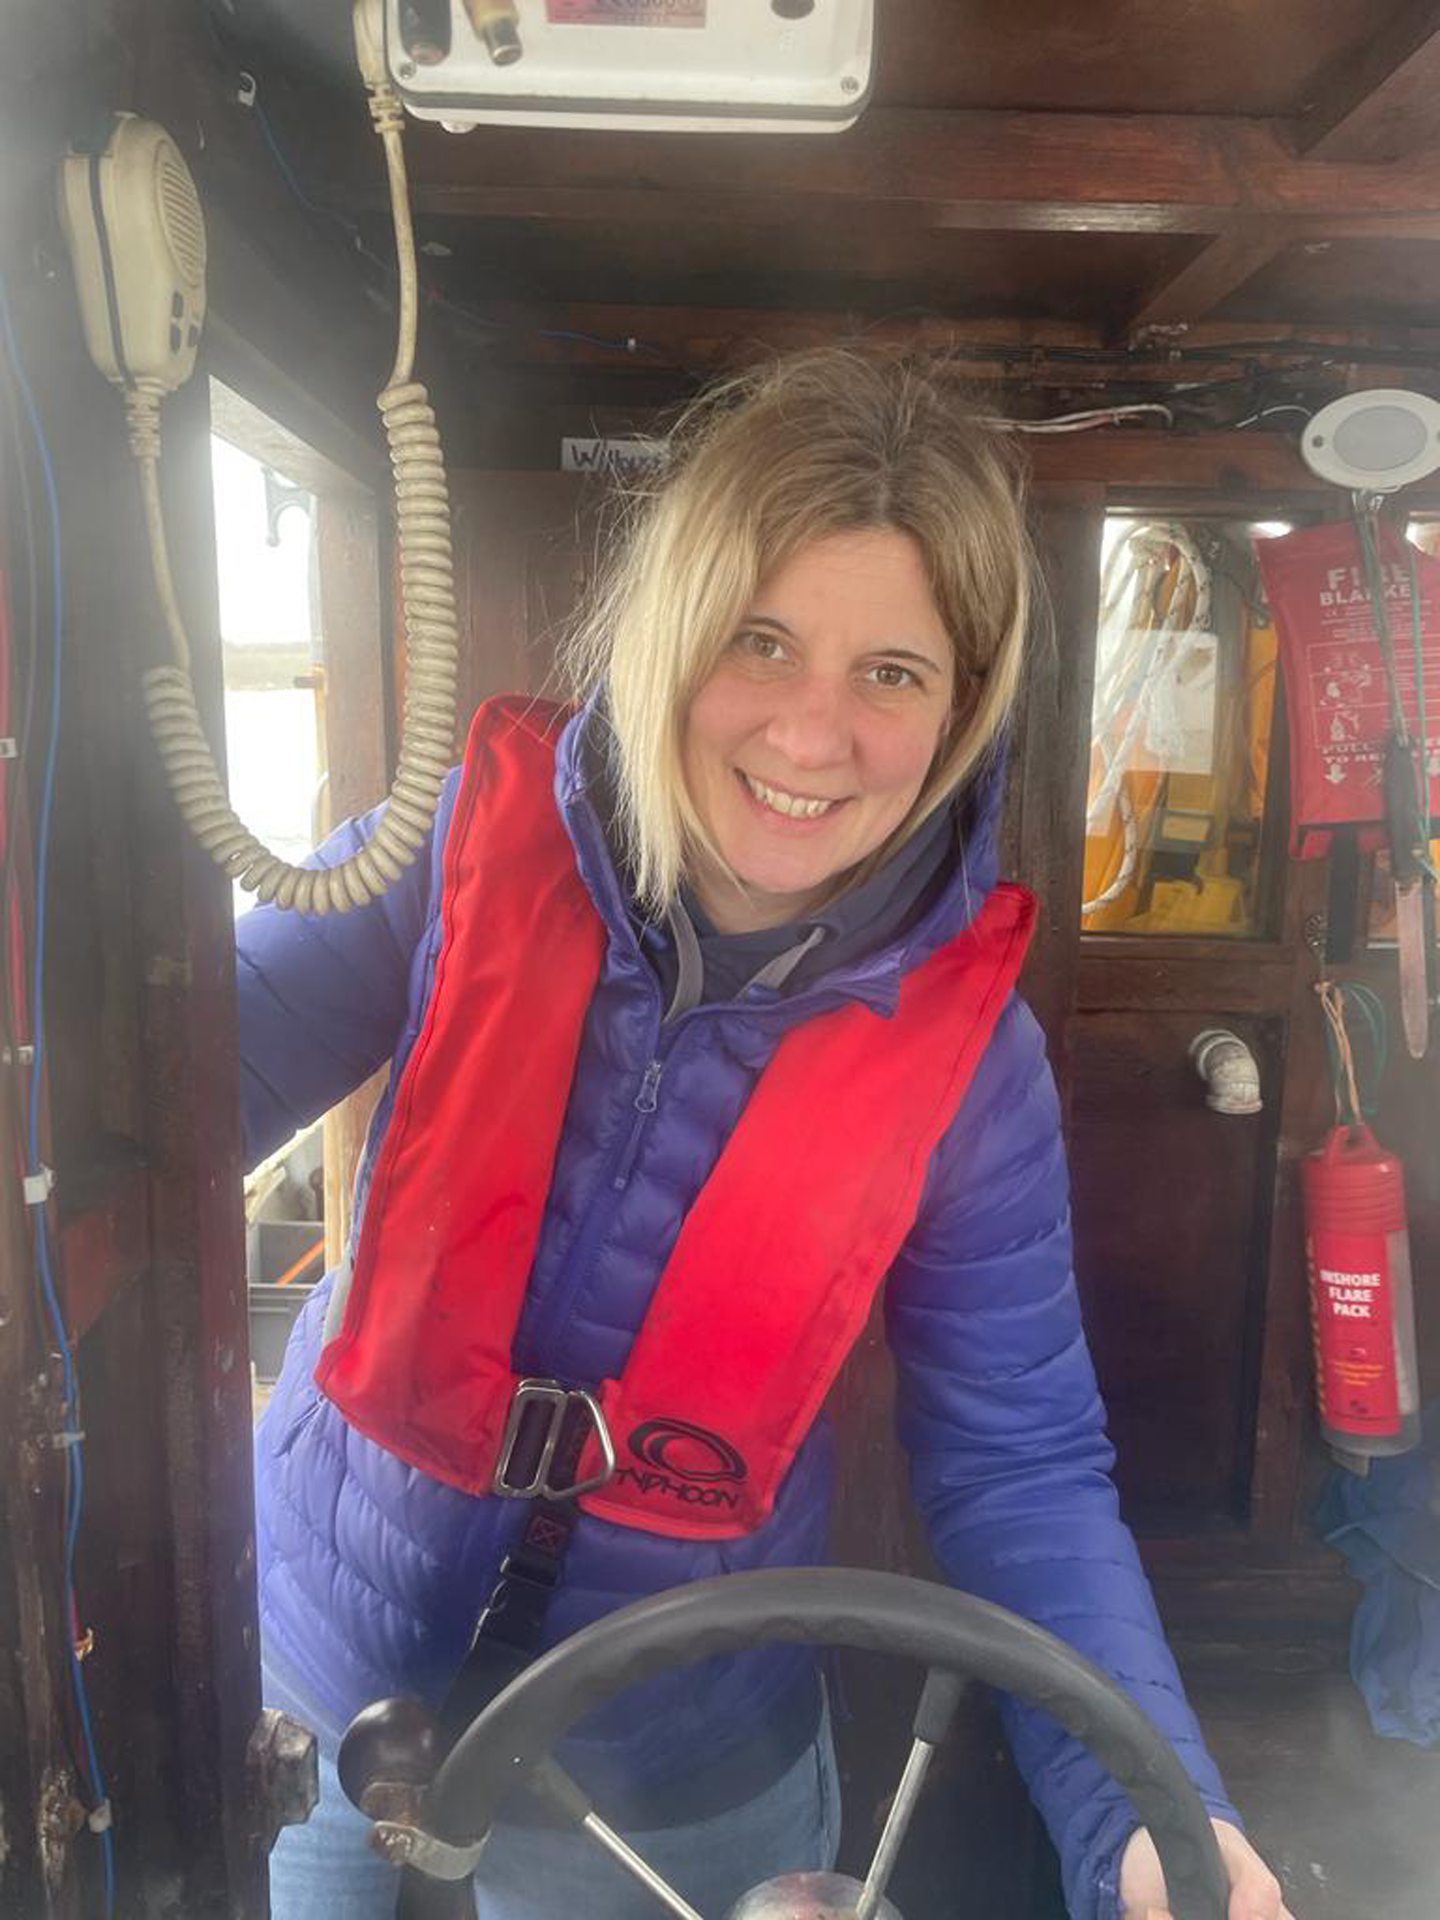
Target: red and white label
pixel 1354 1333
pixel 1335 678
pixel 625 13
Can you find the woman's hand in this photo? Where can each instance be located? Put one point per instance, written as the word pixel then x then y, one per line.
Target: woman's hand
pixel 1254 1891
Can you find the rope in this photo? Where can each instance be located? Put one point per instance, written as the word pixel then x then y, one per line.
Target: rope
pixel 1351 1106
pixel 1333 1005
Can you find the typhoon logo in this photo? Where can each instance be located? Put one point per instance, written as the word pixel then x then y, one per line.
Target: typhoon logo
pixel 685 1463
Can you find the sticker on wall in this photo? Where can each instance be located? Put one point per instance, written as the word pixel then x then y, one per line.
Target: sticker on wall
pixel 615 454
pixel 625 13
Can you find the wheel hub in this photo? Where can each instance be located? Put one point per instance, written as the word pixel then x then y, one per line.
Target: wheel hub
pixel 806 1896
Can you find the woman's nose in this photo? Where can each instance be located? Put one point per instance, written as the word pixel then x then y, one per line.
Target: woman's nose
pixel 811 722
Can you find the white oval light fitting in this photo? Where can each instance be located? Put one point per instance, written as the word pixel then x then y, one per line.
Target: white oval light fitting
pixel 1374 442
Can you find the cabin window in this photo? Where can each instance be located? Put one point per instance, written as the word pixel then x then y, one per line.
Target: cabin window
pixel 298 565
pixel 264 551
pixel 1176 829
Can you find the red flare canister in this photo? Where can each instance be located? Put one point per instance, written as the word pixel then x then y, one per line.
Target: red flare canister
pixel 1361 1303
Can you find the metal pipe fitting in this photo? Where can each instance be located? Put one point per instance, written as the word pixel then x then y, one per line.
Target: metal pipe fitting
pixel 1229 1070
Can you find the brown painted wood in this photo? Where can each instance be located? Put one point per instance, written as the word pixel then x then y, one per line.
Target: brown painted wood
pixel 1137 460
pixel 1170 1203
pixel 1283 1415
pixel 105 1238
pixel 957 171
pixel 1208 56
pixel 525 545
pixel 583 335
pixel 190 1077
pixel 1379 103
pixel 1120 972
pixel 39 1862
pixel 890 268
pixel 1259 474
pixel 1208 279
pixel 1358 282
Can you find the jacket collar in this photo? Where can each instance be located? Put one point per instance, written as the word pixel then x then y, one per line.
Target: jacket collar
pixel 875 978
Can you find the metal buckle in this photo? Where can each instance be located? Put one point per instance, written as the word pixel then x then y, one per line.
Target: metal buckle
pixel 534 1428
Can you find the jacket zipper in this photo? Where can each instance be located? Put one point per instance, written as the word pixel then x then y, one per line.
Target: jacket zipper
pixel 551 1334
pixel 646 1101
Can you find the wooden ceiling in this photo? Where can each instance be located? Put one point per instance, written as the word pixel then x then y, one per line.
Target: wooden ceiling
pixel 1250 57
pixel 1118 165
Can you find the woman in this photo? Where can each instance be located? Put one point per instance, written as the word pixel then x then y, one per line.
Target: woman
pixel 636 982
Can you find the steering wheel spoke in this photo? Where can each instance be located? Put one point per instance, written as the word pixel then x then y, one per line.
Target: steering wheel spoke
pixel 635 1864
pixel 939 1700
pixel 564 1796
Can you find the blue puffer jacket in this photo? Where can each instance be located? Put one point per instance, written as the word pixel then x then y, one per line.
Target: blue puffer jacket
pixel 372 1573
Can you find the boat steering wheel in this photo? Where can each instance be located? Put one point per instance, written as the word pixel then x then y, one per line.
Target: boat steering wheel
pixel 438 1825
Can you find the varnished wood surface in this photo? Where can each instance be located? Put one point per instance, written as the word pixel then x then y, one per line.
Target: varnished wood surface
pixel 1380 103
pixel 1209 56
pixel 1056 172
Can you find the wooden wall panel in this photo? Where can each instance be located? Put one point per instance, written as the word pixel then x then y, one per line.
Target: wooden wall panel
pixel 1170 1216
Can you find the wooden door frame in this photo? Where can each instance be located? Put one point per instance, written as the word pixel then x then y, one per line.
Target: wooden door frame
pixel 1231 476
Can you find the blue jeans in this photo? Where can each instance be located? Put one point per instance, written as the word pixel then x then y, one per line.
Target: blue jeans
pixel 325 1870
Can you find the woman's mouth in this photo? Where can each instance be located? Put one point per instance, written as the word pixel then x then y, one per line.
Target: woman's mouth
pixel 791 806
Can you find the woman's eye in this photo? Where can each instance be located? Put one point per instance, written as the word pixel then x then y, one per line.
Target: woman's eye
pixel 892 676
pixel 759 646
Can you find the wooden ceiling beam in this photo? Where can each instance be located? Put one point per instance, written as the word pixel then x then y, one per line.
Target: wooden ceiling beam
pixel 1222 265
pixel 1383 104
pixel 545 339
pixel 1062 173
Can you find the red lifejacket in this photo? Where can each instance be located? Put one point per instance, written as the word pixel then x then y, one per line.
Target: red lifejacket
pixel 772 1277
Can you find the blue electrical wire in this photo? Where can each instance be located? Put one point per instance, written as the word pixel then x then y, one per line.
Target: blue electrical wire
pixel 287 172
pixel 75 1475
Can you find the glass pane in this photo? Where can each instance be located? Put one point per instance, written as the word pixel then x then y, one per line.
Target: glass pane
pixel 267 623
pixel 1180 730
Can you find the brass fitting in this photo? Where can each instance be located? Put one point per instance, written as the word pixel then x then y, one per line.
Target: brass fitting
pixel 497 22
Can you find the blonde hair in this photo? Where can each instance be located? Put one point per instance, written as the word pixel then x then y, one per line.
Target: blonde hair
pixel 825 441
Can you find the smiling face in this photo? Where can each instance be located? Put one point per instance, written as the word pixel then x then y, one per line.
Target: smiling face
pixel 810 741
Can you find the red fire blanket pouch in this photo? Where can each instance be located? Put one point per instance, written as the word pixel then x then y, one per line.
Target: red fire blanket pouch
pixel 1335 685
pixel 779 1257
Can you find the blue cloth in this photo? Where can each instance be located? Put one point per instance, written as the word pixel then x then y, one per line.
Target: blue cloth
pixel 371 1573
pixel 1387 1525
pixel 326 1868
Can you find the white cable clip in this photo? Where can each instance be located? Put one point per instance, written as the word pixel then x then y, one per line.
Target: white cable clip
pixel 246 91
pixel 9 748
pixel 68 1437
pixel 100 1819
pixel 39 1186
